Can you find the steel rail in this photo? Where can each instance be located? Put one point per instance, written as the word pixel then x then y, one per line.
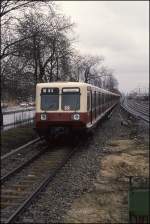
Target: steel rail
pixel 134 112
pixel 145 106
pixel 20 148
pixel 20 167
pixel 137 113
pixel 138 108
pixel 41 187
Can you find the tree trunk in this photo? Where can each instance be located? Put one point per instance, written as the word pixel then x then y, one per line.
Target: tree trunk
pixel 51 70
pixel 1 117
pixel 42 73
pixel 35 60
pixel 57 74
pixel 86 75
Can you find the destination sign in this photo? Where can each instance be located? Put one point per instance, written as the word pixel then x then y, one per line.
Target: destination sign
pixel 50 91
pixel 71 90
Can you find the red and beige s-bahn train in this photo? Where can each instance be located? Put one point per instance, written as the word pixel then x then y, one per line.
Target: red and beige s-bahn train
pixel 74 105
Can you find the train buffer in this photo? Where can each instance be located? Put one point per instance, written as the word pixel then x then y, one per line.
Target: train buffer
pixel 138 200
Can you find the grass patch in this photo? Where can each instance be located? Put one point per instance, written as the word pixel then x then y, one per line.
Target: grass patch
pixel 16 137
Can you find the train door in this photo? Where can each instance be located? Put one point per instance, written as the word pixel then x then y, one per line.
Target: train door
pixel 103 98
pixel 99 102
pixel 95 106
pixel 89 105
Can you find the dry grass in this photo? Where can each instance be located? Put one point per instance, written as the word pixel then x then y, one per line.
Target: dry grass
pixel 108 200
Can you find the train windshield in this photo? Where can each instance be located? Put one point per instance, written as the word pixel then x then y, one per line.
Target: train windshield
pixel 50 99
pixel 70 99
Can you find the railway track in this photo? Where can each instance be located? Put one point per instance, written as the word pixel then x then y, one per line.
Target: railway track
pixel 136 109
pixel 18 192
pixel 20 157
pixel 17 150
pixel 20 167
pixel 143 107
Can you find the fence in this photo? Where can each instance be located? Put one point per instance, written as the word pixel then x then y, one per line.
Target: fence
pixel 16 118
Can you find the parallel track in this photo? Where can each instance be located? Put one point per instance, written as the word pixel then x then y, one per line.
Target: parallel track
pixel 20 167
pixel 20 148
pixel 136 110
pixel 16 197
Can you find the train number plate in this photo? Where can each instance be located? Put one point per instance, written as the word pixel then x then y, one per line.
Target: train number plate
pixel 66 107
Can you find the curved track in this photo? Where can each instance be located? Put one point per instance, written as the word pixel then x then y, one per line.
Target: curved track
pixel 136 109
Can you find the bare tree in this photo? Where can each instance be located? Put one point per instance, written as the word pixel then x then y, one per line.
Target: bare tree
pixel 8 6
pixel 109 82
pixel 48 44
pixel 86 66
pixel 10 14
pixel 9 17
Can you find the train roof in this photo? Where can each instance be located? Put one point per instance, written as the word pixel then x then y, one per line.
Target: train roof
pixel 72 84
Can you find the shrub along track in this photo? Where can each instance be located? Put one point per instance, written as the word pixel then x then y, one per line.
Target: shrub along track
pixel 18 192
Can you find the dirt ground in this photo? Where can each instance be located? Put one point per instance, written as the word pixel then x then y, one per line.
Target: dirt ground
pixel 107 200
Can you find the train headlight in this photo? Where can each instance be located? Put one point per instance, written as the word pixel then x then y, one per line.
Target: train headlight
pixel 76 117
pixel 43 117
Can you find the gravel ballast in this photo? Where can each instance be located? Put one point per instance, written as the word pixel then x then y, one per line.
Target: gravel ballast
pixel 78 175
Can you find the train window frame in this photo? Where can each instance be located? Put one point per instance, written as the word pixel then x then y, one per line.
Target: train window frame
pixel 68 93
pixel 49 93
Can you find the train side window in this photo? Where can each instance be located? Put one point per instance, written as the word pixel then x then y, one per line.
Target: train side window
pixel 97 98
pixel 88 101
pixel 104 98
pixel 101 98
pixel 93 100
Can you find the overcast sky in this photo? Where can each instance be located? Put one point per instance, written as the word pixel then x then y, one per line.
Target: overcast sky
pixel 118 30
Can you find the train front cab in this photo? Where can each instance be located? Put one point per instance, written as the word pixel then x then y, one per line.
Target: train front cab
pixel 60 106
